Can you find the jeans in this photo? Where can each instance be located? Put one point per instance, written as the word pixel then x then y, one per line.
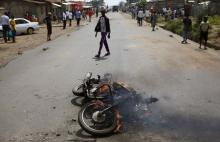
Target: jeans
pixel 5 29
pixel 103 41
pixel 186 35
pixel 78 21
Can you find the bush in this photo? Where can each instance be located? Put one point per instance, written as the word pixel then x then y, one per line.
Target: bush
pixel 218 33
pixel 214 20
pixel 160 19
pixel 195 32
pixel 174 26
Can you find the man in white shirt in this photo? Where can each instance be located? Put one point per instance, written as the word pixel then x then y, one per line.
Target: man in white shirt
pixel 64 19
pixel 70 16
pixel 5 25
pixel 140 17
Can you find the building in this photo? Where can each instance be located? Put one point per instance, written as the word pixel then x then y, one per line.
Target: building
pixel 173 4
pixel 33 10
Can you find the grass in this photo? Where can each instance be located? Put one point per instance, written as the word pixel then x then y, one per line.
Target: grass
pixel 176 26
pixel 214 20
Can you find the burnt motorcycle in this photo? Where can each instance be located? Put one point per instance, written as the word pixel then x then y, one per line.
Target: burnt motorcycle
pixel 90 85
pixel 100 118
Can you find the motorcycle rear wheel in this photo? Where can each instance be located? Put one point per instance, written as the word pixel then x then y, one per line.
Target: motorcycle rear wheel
pixel 97 128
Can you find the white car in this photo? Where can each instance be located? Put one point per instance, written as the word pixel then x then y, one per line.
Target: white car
pixel 24 26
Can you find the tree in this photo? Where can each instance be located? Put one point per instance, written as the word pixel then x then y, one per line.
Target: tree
pixel 142 3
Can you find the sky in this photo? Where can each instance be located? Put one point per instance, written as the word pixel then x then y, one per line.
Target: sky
pixel 113 2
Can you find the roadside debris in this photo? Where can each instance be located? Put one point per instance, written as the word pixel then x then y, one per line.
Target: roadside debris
pixel 20 51
pixel 58 134
pixel 45 48
pixel 74 120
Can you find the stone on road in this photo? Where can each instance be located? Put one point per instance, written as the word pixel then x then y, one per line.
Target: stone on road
pixel 35 89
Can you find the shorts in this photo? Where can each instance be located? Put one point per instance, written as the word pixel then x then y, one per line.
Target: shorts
pixel 204 35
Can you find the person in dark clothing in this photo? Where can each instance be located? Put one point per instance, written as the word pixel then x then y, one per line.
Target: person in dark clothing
pixel 49 26
pixel 187 28
pixel 153 20
pixel 97 12
pixel 103 26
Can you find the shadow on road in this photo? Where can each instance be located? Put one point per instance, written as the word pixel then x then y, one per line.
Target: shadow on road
pixel 82 134
pixel 100 59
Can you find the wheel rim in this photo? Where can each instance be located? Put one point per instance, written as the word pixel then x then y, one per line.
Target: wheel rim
pixel 30 31
pixel 101 123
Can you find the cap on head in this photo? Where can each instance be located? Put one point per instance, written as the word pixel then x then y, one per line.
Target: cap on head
pixel 49 13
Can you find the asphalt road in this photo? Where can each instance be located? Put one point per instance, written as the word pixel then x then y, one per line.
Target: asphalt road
pixel 35 89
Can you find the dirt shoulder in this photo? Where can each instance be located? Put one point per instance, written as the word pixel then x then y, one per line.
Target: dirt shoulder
pixel 9 51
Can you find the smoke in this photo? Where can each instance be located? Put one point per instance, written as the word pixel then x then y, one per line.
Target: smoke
pixel 134 106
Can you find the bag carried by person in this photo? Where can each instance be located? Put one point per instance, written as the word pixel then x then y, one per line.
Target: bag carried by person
pixel 10 34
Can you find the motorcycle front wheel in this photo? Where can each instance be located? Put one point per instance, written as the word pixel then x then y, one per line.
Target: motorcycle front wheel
pixel 79 90
pixel 96 123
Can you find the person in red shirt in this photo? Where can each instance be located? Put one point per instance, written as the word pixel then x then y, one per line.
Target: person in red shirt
pixel 90 13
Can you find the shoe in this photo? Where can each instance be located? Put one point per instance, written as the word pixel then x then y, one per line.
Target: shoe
pixel 107 54
pixel 97 56
pixel 205 48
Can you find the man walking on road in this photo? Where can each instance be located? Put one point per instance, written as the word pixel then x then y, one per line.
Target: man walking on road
pixel 49 26
pixel 70 16
pixel 5 26
pixel 140 17
pixel 187 27
pixel 64 19
pixel 78 17
pixel 103 26
pixel 153 20
pixel 90 13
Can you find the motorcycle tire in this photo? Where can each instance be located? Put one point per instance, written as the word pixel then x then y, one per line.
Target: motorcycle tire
pixel 79 91
pixel 93 131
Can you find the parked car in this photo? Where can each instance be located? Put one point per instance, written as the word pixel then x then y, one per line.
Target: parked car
pixel 24 26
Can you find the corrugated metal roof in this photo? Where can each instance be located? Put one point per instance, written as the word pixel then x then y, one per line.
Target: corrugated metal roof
pixel 54 0
pixel 33 1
